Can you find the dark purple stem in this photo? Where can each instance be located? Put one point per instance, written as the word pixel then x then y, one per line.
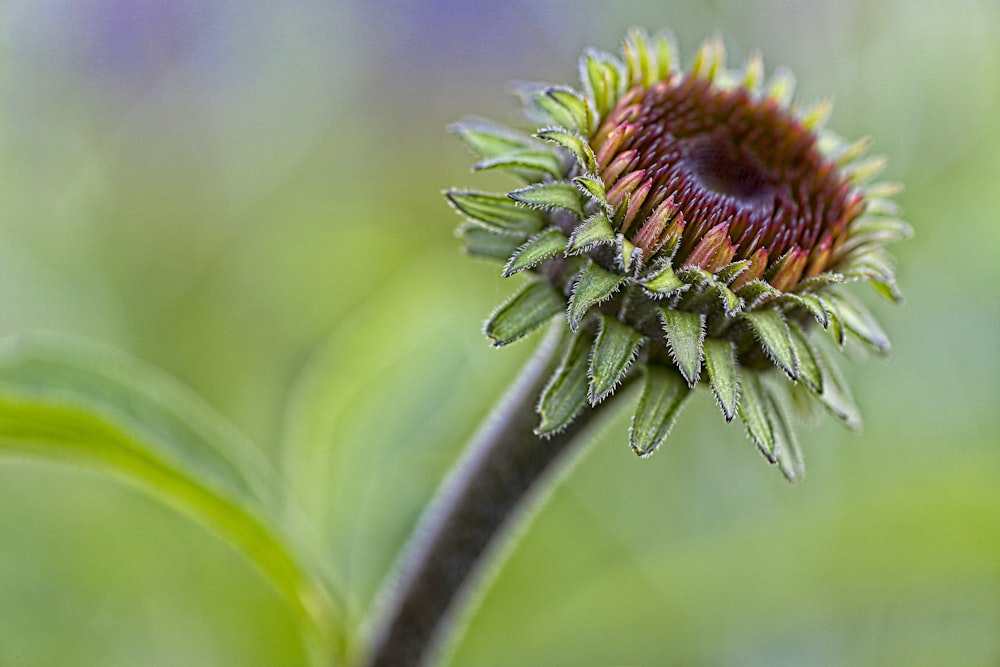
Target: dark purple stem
pixel 488 490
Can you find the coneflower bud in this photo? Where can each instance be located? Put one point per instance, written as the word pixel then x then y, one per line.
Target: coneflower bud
pixel 693 226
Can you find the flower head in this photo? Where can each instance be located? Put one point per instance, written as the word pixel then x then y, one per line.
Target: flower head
pixel 696 227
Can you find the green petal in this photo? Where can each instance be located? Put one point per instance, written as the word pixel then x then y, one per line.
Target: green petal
pixel 685 337
pixel 591 287
pixel 614 351
pixel 723 374
pixel 527 310
pixel 542 246
pixel 565 395
pixel 754 411
pixel 771 331
pixel 661 401
pixel 496 212
pixel 549 196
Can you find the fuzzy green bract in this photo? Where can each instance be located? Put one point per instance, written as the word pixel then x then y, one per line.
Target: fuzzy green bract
pixel 689 227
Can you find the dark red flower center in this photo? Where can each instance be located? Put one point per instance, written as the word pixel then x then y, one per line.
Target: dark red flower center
pixel 725 161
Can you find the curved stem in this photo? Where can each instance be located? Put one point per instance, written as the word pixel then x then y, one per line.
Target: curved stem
pixel 490 486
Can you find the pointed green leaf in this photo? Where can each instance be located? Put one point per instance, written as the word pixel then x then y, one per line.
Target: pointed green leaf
pixel 575 144
pixel 860 322
pixel 771 331
pixel 65 400
pixel 485 243
pixel 496 212
pixel 550 195
pixel 591 287
pixel 533 160
pixel 786 444
pixel 565 395
pixel 754 411
pixel 594 231
pixel 661 401
pixel 614 351
pixel 663 282
pixel 685 337
pixel 540 247
pixel 836 395
pixel 723 373
pixel 628 254
pixel 527 310
pixel 488 139
pixel 730 301
pixel 809 370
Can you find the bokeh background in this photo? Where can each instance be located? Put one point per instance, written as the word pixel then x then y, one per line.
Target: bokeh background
pixel 238 190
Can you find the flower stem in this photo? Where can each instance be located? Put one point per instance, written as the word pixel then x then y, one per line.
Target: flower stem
pixel 491 486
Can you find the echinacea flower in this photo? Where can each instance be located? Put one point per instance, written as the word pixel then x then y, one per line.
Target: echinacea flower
pixel 693 227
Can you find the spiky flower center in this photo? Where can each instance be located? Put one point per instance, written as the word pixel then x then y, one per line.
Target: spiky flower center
pixel 741 172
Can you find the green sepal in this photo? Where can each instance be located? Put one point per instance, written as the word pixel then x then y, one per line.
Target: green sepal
pixel 575 144
pixel 615 349
pixel 540 247
pixel 662 399
pixel 836 328
pixel 810 302
pixel 565 395
pixel 488 139
pixel 628 255
pixel 809 370
pixel 564 107
pixel 836 396
pixel 663 282
pixel 685 334
pixel 772 333
pixel 754 411
pixel 550 195
pixel 731 303
pixel 531 160
pixel 594 231
pixel 879 229
pixel 531 307
pixel 496 212
pixel 821 281
pixel 603 79
pixel 591 287
pixel 723 374
pixel 787 452
pixel 593 187
pixel 756 292
pixel 858 321
pixel 488 244
pixel 727 274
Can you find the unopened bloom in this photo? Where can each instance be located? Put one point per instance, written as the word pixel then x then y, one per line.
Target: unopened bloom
pixel 695 227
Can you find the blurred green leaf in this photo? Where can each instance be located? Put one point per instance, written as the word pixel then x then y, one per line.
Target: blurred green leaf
pixel 69 401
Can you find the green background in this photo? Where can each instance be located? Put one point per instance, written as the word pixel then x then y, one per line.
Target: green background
pixel 218 187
